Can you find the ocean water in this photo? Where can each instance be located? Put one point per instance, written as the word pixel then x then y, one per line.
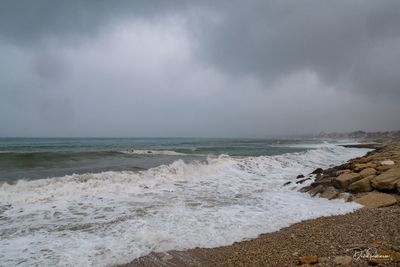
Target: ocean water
pixel 101 202
pixel 32 158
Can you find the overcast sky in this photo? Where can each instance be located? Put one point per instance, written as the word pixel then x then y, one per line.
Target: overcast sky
pixel 198 68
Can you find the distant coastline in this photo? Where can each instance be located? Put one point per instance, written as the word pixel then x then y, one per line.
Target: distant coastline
pixel 362 135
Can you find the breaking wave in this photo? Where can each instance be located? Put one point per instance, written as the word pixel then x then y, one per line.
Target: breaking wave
pixel 111 218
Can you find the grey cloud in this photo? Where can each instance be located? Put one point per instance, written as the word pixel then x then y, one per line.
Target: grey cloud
pixel 198 68
pixel 267 39
pixel 29 21
pixel 271 39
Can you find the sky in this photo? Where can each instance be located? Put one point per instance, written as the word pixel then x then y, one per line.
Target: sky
pixel 234 68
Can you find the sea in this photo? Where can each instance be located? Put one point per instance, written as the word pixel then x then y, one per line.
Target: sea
pixel 108 201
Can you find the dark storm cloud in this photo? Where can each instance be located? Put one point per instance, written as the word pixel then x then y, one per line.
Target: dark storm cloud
pixel 27 21
pixel 355 42
pixel 198 68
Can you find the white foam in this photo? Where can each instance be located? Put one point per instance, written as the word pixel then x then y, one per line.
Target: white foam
pixel 113 217
pixel 152 152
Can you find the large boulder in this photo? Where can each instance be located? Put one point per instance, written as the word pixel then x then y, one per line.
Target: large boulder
pixel 318 171
pixel 330 193
pixel 305 189
pixel 368 172
pixel 362 166
pixel 316 190
pixel 387 180
pixel 363 160
pixel 387 162
pixel 345 179
pixel 325 182
pixel 383 168
pixel 345 196
pixel 343 171
pixel 363 185
pixel 376 200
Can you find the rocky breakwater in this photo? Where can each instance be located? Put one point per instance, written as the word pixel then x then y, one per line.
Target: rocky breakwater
pixel 372 180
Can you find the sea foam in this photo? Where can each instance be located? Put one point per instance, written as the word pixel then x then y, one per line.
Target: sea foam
pixel 110 218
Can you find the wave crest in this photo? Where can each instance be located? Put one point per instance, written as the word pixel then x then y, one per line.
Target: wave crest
pixel 119 216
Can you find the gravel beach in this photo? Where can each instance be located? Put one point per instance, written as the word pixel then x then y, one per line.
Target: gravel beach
pixel 328 238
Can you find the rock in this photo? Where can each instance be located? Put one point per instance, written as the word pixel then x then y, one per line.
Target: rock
pixel 306 189
pixel 363 185
pixel 387 162
pixel 362 166
pixel 362 160
pixel 383 168
pixel 330 193
pixel 325 182
pixel 302 181
pixel 308 260
pixel 345 179
pixel 318 177
pixel 331 171
pixel 368 172
pixel 343 260
pixel 287 183
pixel 345 196
pixel 318 171
pixel 300 176
pixel 314 191
pixel 398 186
pixel 376 200
pixel 343 171
pixel 387 180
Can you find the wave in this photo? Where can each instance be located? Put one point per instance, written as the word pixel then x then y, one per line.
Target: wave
pixel 119 216
pixel 66 155
pixel 54 154
pixel 20 159
pixel 153 152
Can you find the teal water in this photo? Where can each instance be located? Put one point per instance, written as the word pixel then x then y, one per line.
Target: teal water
pixel 36 158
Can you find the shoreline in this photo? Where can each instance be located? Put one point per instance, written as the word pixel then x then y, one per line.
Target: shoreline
pixel 327 238
pixel 324 241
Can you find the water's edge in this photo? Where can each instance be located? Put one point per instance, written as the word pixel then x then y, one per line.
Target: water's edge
pixel 111 218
